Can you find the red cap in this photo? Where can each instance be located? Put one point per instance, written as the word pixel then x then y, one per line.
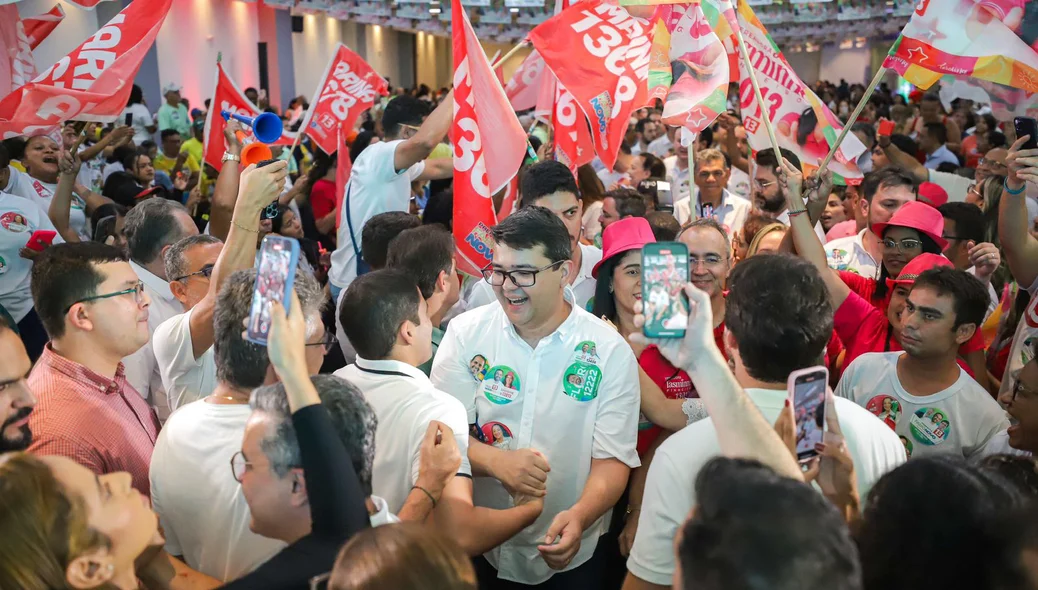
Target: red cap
pixel 621 236
pixel 920 217
pixel 918 266
pixel 932 194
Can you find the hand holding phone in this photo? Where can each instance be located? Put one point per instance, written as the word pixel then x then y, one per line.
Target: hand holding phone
pixel 41 239
pixel 807 390
pixel 664 274
pixel 275 275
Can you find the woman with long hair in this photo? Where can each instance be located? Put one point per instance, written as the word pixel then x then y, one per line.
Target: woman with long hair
pixel 592 191
pixel 317 213
pixel 137 115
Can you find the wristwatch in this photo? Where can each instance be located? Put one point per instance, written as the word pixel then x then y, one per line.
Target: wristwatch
pixel 229 156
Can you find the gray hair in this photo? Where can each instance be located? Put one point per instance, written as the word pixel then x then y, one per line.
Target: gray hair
pixel 176 256
pixel 150 227
pixel 712 155
pixel 353 419
pixel 241 363
pixel 708 222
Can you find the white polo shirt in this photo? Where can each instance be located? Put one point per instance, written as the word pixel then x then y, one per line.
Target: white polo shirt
pixel 850 254
pixel 375 186
pixel 583 288
pixel 670 487
pixel 731 214
pixel 42 193
pixel 575 397
pixel 960 419
pixel 185 378
pixel 142 371
pixel 18 219
pixel 404 401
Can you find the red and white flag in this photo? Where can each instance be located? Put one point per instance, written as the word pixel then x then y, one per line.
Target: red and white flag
pixel 573 144
pixel 37 28
pixel 600 53
pixel 17 66
pixel 343 168
pixel 228 97
pixel 526 82
pixel 489 145
pixel 348 88
pixel 93 82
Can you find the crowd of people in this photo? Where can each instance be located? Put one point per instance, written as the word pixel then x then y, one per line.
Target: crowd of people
pixel 410 426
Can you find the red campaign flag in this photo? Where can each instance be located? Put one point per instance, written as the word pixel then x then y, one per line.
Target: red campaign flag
pixel 600 53
pixel 17 66
pixel 228 97
pixel 348 88
pixel 510 198
pixel 525 84
pixel 573 144
pixel 489 145
pixel 343 168
pixel 38 27
pixel 87 4
pixel 91 83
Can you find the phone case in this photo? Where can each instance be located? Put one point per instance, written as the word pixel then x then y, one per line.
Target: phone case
pixel 808 400
pixel 664 274
pixel 275 274
pixel 886 128
pixel 40 239
pixel 1027 126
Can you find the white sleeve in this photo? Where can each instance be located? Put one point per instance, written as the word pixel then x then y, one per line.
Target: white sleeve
pixel 845 388
pixel 415 171
pixel 990 421
pixel 616 424
pixel 956 186
pixel 454 417
pixel 450 372
pixel 175 355
pixel 652 557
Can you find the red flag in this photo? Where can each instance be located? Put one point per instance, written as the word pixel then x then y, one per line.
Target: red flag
pixel 17 66
pixel 38 27
pixel 573 144
pixel 348 88
pixel 87 4
pixel 228 97
pixel 600 53
pixel 511 197
pixel 93 82
pixel 343 168
pixel 489 145
pixel 526 82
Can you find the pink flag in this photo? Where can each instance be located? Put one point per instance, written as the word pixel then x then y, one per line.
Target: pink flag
pixel 489 145
pixel 343 168
pixel 16 63
pixel 526 82
pixel 88 4
pixel 38 27
pixel 348 88
pixel 93 82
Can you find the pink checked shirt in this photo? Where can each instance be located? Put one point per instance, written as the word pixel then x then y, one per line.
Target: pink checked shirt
pixel 102 424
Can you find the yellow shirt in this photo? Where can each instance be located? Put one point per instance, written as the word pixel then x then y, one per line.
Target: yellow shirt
pixel 194 148
pixel 164 164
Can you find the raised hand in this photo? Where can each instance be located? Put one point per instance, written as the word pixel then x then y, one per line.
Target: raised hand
pixel 286 341
pixel 229 134
pixel 790 179
pixel 682 352
pixel 1022 164
pixel 985 260
pixel 817 188
pixel 259 187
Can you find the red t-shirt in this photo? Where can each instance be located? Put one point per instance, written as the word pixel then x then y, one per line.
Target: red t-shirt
pixel 322 198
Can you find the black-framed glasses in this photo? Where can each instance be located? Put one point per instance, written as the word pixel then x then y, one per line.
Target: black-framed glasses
pixel 206 271
pixel 238 466
pixel 902 245
pixel 137 290
pixel 519 278
pixel 327 342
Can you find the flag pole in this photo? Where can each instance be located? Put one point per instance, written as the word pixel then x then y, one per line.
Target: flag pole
pixel 854 117
pixel 510 53
pixel 756 89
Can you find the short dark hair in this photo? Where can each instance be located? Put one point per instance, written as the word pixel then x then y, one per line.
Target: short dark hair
pixel 373 308
pixel 938 132
pixel 794 540
pixel 439 209
pixel 664 226
pixel 905 143
pixel 379 231
pixel 996 139
pixel 766 158
pixel 151 226
pixel 629 202
pixel 779 312
pixel 968 293
pixel 167 133
pixel 423 253
pixel 535 226
pixel 639 126
pixel 403 110
pixel 968 218
pixel 868 130
pixel 64 274
pixel 545 178
pixel 886 177
pixel 5 157
pixel 655 166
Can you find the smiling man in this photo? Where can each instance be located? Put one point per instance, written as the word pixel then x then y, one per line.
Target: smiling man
pixel 712 198
pixel 16 400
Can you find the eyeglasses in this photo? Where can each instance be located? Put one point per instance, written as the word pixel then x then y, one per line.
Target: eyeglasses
pixel 206 271
pixel 410 128
pixel 1019 388
pixel 137 290
pixel 320 582
pixel 708 260
pixel 238 466
pixel 519 278
pixel 763 185
pixel 905 244
pixel 987 162
pixel 327 342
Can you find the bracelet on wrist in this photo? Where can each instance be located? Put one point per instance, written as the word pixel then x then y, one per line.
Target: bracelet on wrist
pixel 431 498
pixel 797 212
pixel 1005 185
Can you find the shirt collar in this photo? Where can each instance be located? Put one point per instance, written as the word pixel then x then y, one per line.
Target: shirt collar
pixel 388 365
pixel 768 399
pixel 724 201
pixel 79 373
pixel 562 330
pixel 586 265
pixel 156 286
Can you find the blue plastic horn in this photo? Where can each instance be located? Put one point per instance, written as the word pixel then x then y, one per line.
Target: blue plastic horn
pixel 266 127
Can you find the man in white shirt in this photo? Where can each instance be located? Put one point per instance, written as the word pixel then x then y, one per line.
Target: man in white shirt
pixel 552 396
pixel 679 173
pixel 151 228
pixel 778 319
pixel 551 185
pixel 884 191
pixel 712 198
pixel 200 506
pixel 768 197
pixel 922 393
pixel 663 146
pixel 387 321
pixel 198 267
pixel 382 176
pixel 933 142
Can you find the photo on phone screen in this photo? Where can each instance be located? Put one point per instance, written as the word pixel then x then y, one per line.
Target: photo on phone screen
pixel 276 271
pixel 664 274
pixel 1027 126
pixel 808 392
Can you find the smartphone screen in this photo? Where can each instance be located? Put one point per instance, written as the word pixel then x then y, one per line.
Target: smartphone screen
pixel 664 274
pixel 129 119
pixel 276 271
pixel 1027 126
pixel 808 392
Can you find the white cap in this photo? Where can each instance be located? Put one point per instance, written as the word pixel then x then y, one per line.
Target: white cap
pixel 170 87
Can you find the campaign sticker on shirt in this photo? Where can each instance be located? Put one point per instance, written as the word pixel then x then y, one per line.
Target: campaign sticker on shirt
pixel 501 384
pixel 886 408
pixel 497 435
pixel 586 352
pixel 3 266
pixel 930 426
pixel 839 259
pixel 908 446
pixel 15 222
pixel 581 381
pixel 478 367
pixel 78 203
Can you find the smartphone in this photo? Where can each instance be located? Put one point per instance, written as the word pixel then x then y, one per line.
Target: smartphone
pixel 275 273
pixel 664 274
pixel 40 239
pixel 886 127
pixel 129 119
pixel 807 389
pixel 1027 126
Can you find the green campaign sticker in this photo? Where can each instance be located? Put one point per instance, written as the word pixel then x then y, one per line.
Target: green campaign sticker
pixel 586 352
pixel 501 384
pixel 930 426
pixel 581 381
